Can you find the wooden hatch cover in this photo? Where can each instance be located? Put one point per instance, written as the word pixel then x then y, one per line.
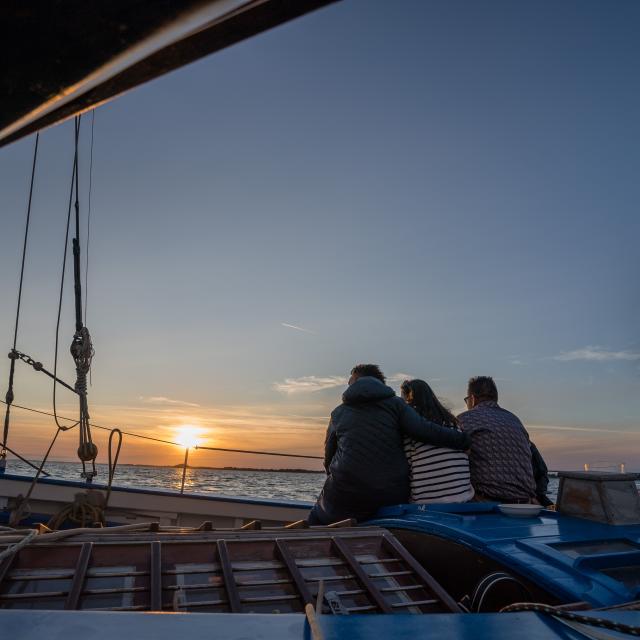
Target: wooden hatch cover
pixel 362 570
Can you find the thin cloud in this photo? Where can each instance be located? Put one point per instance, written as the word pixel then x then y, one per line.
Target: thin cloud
pixel 297 328
pixel 168 401
pixel 309 384
pixel 395 378
pixel 596 354
pixel 603 431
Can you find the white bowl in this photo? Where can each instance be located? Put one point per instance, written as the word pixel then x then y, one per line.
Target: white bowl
pixel 520 510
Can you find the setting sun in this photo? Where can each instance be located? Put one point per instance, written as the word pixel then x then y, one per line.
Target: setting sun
pixel 188 436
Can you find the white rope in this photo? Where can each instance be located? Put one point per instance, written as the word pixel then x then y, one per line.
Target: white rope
pixel 14 548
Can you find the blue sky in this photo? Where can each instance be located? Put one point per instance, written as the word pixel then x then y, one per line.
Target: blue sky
pixel 445 188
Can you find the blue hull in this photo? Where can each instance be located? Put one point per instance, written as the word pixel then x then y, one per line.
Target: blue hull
pixel 79 625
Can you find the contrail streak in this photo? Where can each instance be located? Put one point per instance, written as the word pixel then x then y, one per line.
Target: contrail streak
pixel 293 326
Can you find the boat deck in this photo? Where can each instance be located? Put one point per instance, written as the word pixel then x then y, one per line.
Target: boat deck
pixel 360 570
pixel 573 558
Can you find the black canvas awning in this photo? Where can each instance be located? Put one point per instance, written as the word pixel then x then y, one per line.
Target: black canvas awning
pixel 61 57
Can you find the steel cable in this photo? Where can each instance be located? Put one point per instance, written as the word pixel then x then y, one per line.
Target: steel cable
pixel 9 395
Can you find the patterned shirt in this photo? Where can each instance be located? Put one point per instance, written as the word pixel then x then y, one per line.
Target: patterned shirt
pixel 500 455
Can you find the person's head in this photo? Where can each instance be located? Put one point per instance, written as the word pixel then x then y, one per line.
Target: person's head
pixel 480 389
pixel 420 396
pixel 362 370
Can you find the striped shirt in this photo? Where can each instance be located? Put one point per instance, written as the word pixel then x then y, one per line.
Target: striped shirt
pixel 437 474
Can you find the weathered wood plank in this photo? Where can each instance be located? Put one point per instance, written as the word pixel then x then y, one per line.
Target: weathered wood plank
pixel 298 578
pixel 229 580
pixel 438 591
pixel 155 599
pixel 73 599
pixel 362 576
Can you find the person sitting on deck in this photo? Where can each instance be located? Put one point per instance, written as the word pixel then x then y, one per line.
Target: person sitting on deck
pixel 500 458
pixel 436 474
pixel 364 449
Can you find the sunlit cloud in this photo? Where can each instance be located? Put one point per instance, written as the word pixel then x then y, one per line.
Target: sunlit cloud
pixel 166 401
pixel 296 327
pixel 596 354
pixel 309 384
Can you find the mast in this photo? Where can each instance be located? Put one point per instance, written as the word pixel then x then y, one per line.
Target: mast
pixel 81 346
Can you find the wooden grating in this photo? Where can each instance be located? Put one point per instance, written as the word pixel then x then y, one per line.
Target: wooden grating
pixel 251 571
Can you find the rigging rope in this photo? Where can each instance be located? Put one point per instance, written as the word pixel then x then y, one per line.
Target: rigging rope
pixel 86 264
pixel 94 425
pixel 38 366
pixel 19 513
pixel 64 266
pixel 81 346
pixel 9 395
pixel 113 461
pixel 30 464
pixel 262 453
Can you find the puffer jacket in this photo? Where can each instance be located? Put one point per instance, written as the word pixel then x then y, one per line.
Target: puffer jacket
pixel 364 453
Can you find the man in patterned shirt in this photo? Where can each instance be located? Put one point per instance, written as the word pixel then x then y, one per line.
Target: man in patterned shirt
pixel 500 456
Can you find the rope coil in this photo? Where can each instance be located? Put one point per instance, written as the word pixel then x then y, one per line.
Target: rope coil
pixel 86 510
pixel 82 353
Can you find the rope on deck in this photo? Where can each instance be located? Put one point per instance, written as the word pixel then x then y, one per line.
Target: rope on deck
pixel 14 548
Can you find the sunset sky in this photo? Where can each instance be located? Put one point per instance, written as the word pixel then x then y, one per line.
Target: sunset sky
pixel 444 188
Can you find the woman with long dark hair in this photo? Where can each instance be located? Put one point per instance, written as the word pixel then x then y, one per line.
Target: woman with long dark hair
pixel 437 474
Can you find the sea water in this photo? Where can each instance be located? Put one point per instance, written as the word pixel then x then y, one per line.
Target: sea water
pixel 231 482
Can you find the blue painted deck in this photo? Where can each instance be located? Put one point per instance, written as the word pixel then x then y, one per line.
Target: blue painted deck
pixel 565 556
pixel 80 625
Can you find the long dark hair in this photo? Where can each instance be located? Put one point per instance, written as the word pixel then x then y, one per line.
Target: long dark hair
pixel 427 404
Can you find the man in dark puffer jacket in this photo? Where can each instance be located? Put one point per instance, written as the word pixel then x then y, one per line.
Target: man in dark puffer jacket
pixel 364 454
